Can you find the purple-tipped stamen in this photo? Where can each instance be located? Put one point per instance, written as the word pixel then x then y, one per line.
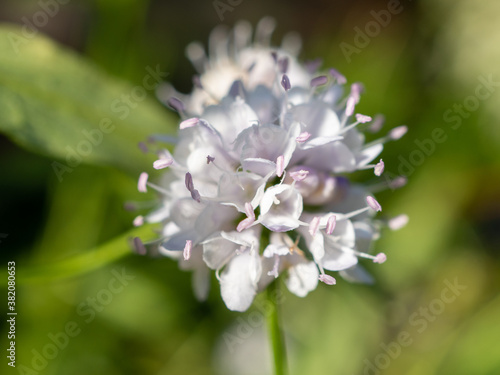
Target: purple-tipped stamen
pixel 349 107
pixel 327 279
pixel 285 82
pixel 250 219
pixel 249 210
pixel 163 163
pixel 138 221
pixel 362 119
pixel 377 123
pixel 356 91
pixel 314 226
pixel 379 168
pixel 319 81
pixel 299 175
pixel 330 224
pixel 398 222
pixel 398 132
pixel 313 65
pixel 338 76
pixel 372 202
pixel 380 258
pixel 187 249
pixel 398 182
pixel 190 186
pixel 302 137
pixel 141 184
pixel 190 122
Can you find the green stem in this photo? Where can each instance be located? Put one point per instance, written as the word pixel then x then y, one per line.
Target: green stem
pixel 275 332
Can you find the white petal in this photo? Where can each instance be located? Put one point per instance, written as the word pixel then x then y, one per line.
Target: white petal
pixel 264 103
pixel 268 197
pixel 185 211
pixel 289 207
pixel 255 266
pixel 177 241
pixel 275 249
pixel 230 118
pixel 317 247
pixel 320 120
pixel 260 166
pixel 368 154
pixel 201 283
pixel 344 233
pixel 265 277
pixel 217 252
pixel 357 274
pixel 320 141
pixel 282 216
pixel 354 140
pixel 355 199
pixel 302 278
pixel 212 219
pixel 337 260
pixel 237 287
pixel 364 236
pixel 240 188
pixel 266 142
pixel 248 238
pixel 335 157
pixel 298 95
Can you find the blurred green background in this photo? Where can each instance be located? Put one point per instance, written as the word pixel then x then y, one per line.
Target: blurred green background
pixel 68 236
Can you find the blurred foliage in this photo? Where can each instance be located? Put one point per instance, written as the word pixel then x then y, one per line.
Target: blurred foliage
pixel 53 103
pixel 70 238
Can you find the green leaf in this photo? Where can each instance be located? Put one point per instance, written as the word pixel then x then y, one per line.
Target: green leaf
pixel 85 262
pixel 55 103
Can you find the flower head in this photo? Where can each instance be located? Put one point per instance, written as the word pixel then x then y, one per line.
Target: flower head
pixel 263 153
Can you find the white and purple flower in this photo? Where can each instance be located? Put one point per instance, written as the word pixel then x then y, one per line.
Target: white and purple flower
pixel 257 185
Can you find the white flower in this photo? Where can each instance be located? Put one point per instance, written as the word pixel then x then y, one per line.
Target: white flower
pixel 283 254
pixel 262 143
pixel 234 57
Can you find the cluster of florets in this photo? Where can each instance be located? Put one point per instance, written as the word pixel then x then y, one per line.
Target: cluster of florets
pixel 257 185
